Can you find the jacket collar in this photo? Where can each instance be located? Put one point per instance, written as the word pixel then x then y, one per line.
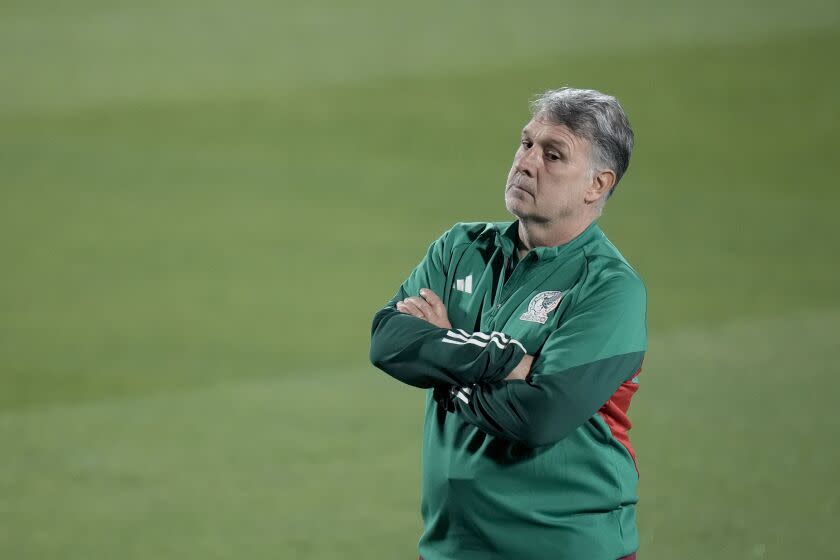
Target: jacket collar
pixel 507 236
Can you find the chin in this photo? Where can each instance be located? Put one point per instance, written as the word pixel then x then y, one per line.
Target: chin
pixel 516 207
pixel 524 212
pixel 512 205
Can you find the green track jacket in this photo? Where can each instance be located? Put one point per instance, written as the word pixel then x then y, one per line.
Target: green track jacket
pixel 535 469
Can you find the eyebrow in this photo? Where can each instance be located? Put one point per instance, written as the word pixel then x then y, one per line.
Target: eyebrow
pixel 552 142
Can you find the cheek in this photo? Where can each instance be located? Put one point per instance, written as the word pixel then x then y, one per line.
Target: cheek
pixel 559 192
pixel 579 175
pixel 573 181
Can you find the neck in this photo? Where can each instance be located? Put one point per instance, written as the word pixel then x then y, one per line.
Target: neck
pixel 548 234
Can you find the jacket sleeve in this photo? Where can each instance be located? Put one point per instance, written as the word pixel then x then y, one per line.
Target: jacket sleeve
pixel 579 367
pixel 420 354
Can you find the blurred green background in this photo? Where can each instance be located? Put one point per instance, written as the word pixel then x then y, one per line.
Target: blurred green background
pixel 202 204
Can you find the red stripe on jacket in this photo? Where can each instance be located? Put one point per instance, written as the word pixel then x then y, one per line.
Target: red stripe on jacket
pixel 614 413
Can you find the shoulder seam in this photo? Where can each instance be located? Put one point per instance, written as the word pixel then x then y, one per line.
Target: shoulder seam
pixel 590 256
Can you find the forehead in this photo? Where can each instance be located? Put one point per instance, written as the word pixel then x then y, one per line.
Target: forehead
pixel 543 130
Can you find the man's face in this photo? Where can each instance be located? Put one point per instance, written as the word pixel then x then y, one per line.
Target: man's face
pixel 550 174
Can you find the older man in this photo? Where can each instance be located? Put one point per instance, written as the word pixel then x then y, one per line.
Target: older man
pixel 529 337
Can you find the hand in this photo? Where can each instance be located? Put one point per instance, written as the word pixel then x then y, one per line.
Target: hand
pixel 427 306
pixel 522 369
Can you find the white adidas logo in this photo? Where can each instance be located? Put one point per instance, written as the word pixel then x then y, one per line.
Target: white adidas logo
pixel 464 284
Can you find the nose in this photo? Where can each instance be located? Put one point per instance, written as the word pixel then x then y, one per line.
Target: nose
pixel 525 161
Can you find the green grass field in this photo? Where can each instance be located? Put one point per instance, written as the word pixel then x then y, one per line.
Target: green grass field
pixel 203 203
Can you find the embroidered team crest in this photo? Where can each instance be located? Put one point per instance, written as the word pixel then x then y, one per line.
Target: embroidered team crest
pixel 541 305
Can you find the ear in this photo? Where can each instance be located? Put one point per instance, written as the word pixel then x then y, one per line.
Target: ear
pixel 602 182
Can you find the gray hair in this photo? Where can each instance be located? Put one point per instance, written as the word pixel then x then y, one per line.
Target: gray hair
pixel 594 116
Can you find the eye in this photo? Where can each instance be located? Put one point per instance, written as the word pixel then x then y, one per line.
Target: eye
pixel 552 156
pixel 526 143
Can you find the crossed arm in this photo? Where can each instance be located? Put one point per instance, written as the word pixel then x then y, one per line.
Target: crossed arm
pixel 535 400
pixel 429 307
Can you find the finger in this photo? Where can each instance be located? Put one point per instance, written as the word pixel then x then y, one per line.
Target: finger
pixel 434 301
pixel 403 308
pixel 412 309
pixel 421 304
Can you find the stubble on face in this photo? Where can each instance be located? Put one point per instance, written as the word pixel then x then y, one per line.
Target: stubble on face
pixel 549 174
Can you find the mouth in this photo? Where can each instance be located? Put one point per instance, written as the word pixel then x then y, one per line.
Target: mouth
pixel 517 187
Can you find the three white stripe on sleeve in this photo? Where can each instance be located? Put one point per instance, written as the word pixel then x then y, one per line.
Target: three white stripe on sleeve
pixel 481 339
pixel 462 393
